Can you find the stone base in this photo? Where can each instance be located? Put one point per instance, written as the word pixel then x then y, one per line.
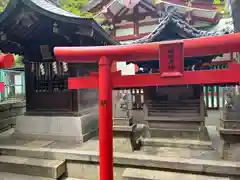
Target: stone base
pixel 177 133
pixel 8 113
pixel 230 144
pixel 230 152
pixel 123 138
pixel 57 128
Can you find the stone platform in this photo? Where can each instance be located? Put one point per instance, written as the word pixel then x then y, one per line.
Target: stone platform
pixel 81 160
pixel 9 110
pixel 60 128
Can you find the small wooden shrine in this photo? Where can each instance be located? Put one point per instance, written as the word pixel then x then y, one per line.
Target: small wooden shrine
pixel 33 28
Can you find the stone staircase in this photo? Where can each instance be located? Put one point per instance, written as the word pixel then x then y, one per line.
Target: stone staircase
pixel 176 148
pixel 181 119
pixel 25 168
pixel 25 163
pixel 143 174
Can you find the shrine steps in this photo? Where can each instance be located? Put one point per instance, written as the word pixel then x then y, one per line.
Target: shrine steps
pixel 12 176
pixel 137 174
pixel 84 164
pixel 49 169
pixel 164 142
pixel 176 119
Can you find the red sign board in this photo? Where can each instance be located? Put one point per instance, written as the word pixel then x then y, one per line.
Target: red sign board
pixel 1 86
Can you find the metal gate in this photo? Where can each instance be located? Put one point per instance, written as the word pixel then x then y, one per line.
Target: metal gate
pixel 212 94
pixel 14 84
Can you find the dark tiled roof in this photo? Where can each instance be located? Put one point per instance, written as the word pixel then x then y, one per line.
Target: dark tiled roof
pixel 25 20
pixel 180 27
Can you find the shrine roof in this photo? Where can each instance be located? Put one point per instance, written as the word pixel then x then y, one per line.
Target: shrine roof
pixel 115 7
pixel 182 30
pixel 172 28
pixel 43 22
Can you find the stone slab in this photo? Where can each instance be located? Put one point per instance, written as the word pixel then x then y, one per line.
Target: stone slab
pixel 38 143
pixel 175 133
pixel 218 167
pixel 122 144
pixel 69 178
pixel 180 152
pixel 11 176
pixel 60 128
pixel 230 124
pixel 141 174
pixel 173 113
pixel 174 125
pixel 169 142
pixel 173 119
pixel 229 131
pixel 121 128
pixel 123 121
pixel 32 166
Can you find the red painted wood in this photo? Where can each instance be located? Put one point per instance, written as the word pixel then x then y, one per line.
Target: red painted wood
pixel 204 77
pixel 2 87
pixel 105 119
pixel 141 52
pixel 171 66
pixel 6 61
pixel 106 80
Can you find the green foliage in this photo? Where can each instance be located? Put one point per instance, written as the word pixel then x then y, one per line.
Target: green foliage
pixel 18 61
pixel 3 4
pixel 75 7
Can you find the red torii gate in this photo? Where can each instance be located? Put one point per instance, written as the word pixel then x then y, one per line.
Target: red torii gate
pixel 171 55
pixel 6 61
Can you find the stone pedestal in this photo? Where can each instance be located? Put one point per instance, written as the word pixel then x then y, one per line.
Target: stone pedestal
pixel 229 130
pixel 175 112
pixel 123 134
pixel 9 111
pixel 58 128
pixel 123 125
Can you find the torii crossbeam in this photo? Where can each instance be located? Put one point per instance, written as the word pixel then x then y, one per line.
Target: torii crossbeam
pixel 171 58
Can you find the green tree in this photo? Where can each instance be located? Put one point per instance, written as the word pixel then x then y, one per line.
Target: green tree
pixel 3 4
pixel 75 7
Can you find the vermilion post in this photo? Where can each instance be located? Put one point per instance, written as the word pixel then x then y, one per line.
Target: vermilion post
pixel 105 119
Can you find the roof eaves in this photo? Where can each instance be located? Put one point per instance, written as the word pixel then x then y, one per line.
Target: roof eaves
pixel 187 29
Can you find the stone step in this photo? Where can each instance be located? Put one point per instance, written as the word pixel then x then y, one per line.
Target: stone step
pixel 175 132
pixel 32 166
pixel 120 128
pixel 173 119
pixel 176 152
pixel 230 124
pixel 11 176
pixel 165 142
pixel 142 174
pixel 176 106
pixel 174 125
pixel 172 113
pixel 69 178
pixel 224 131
